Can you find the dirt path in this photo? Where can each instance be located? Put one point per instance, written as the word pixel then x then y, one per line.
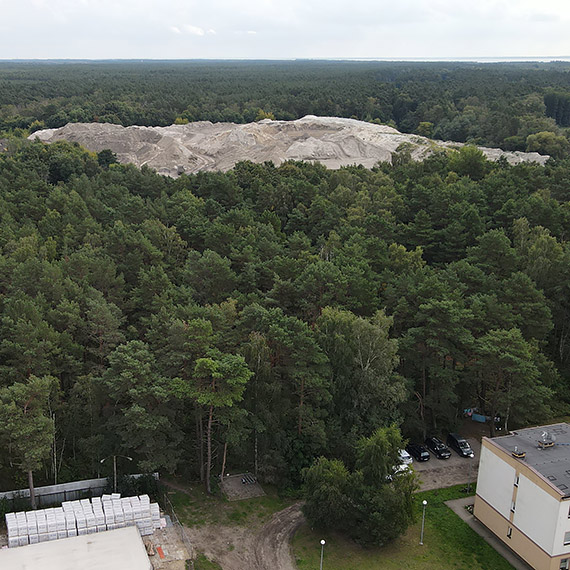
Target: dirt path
pixel 239 548
pixel 272 544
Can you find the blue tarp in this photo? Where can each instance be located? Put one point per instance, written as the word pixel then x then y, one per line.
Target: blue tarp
pixel 478 418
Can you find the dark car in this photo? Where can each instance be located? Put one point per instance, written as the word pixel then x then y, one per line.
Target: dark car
pixel 438 448
pixel 417 451
pixel 459 444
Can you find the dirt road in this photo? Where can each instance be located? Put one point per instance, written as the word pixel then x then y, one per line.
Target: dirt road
pixel 239 548
pixel 272 543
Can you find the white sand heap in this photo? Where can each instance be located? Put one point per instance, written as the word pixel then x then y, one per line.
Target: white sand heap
pixel 334 142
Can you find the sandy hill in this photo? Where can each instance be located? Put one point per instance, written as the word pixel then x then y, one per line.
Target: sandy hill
pixel 203 145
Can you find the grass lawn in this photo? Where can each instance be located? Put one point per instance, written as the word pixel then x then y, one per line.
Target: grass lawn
pixel 202 563
pixel 197 508
pixel 448 544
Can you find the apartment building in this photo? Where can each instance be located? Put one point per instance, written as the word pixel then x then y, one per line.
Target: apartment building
pixel 523 493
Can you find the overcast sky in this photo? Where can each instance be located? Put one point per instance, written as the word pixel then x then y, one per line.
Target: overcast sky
pixel 271 29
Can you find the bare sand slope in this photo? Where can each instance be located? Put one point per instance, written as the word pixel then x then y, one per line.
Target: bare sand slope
pixel 334 142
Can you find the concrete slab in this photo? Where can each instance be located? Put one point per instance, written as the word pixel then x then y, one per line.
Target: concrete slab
pixel 235 490
pixel 120 549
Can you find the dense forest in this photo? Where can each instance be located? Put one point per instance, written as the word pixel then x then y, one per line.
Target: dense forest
pixel 523 106
pixel 267 316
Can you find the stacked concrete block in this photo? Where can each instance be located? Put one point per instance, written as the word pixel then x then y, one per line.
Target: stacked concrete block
pixel 32 527
pixel 13 532
pixel 77 518
pixel 155 515
pixel 70 520
pixel 51 524
pixel 108 513
pixel 118 511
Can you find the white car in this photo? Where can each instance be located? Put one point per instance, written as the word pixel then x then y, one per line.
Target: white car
pixel 405 457
pixel 398 470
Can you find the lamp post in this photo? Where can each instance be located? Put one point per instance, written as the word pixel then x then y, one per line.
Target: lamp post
pixel 115 468
pixel 424 503
pixel 322 551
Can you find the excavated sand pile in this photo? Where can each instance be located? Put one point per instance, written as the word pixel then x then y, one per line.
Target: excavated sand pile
pixel 334 142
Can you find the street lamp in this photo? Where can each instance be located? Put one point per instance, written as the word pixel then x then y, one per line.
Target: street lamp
pixel 115 467
pixel 424 503
pixel 322 551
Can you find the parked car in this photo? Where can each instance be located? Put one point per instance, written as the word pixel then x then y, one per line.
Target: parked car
pixel 438 448
pixel 459 444
pixel 405 457
pixel 398 470
pixel 418 451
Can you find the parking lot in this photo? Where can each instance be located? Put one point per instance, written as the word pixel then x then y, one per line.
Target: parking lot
pixel 437 473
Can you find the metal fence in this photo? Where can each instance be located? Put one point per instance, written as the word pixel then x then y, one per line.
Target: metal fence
pixel 57 494
pixel 169 508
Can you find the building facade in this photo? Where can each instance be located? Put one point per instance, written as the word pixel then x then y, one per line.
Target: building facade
pixel 523 493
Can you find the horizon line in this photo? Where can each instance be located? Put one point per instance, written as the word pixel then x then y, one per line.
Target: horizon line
pixel 464 59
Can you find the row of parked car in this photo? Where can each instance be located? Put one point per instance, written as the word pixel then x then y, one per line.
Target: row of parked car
pixel 420 452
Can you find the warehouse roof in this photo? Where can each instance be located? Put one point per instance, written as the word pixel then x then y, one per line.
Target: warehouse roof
pixel 120 549
pixel 547 450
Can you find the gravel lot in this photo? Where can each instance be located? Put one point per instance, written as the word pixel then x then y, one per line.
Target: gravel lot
pixel 437 473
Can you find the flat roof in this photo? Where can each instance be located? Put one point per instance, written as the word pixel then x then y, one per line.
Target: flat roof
pixel 120 549
pixel 553 463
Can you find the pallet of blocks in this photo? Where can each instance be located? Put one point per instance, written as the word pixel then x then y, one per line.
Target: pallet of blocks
pixel 78 518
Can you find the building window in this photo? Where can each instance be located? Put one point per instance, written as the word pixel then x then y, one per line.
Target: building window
pixel 510 532
pixel 517 481
pixel 566 538
pixel 513 505
pixel 564 564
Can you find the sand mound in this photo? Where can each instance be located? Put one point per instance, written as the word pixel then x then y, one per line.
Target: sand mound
pixel 203 145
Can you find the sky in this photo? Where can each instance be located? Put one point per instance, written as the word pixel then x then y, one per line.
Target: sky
pixel 284 29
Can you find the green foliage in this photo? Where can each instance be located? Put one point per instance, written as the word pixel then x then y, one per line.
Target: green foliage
pixel 373 504
pixel 26 429
pixel 469 161
pixel 546 142
pixel 363 360
pixel 273 315
pixel 202 563
pixel 106 157
pixel 495 105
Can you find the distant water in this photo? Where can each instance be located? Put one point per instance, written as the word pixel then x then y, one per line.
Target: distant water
pixel 529 59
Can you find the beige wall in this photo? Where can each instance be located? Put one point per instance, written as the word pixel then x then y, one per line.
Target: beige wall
pixel 518 542
pixel 532 488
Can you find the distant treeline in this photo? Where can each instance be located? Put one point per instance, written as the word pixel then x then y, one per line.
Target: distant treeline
pixel 487 104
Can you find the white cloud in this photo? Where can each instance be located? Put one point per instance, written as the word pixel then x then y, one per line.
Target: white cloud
pixel 296 28
pixel 194 30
